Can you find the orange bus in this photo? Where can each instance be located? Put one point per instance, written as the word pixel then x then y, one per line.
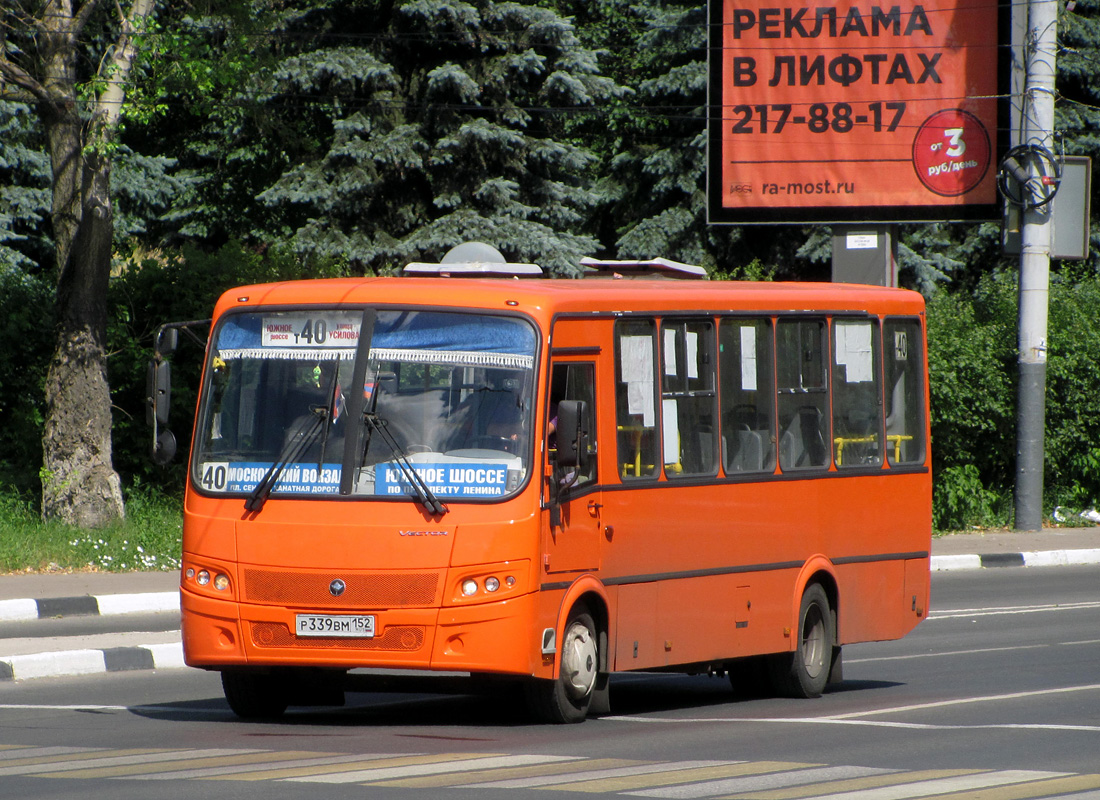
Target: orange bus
pixel 550 481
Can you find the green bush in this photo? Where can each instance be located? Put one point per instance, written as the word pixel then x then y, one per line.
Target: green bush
pixel 972 362
pixel 174 287
pixel 26 311
pixel 971 367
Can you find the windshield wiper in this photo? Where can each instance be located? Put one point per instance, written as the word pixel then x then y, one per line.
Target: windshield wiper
pixel 330 417
pixel 424 494
pixel 302 438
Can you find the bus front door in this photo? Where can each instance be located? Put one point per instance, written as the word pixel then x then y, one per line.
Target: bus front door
pixel 576 504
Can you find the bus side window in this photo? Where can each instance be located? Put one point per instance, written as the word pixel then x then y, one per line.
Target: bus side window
pixel 904 369
pixel 575 381
pixel 857 404
pixel 688 399
pixel 636 398
pixel 747 379
pixel 803 394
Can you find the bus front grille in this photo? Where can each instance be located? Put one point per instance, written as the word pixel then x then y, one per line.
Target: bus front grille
pixel 397 637
pixel 313 590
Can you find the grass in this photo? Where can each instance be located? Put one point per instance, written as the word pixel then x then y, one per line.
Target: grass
pixel 149 539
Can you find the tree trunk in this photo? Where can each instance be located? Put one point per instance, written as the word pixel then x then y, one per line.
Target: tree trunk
pixel 79 484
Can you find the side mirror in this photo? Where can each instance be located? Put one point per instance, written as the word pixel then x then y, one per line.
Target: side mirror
pixel 571 434
pixel 158 398
pixel 158 392
pixel 164 448
pixel 167 340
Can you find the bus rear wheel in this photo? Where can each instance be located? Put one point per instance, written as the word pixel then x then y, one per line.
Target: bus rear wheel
pixel 805 672
pixel 567 699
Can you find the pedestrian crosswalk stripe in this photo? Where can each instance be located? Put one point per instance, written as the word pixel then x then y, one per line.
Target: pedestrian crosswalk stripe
pixel 1045 788
pixel 558 781
pixel 681 776
pixel 772 780
pixel 667 780
pixel 284 760
pixel 32 755
pixel 55 764
pixel 198 760
pixel 284 772
pixel 850 784
pixel 469 761
pixel 456 779
pixel 941 786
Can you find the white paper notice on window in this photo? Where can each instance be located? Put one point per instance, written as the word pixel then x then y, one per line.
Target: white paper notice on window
pixel 670 351
pixel 639 400
pixel 671 431
pixel 636 353
pixel 853 351
pixel 748 358
pixel 692 354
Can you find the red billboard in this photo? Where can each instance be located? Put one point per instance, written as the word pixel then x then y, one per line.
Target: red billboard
pixel 835 113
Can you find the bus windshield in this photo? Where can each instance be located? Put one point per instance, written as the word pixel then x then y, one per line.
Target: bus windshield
pixel 445 405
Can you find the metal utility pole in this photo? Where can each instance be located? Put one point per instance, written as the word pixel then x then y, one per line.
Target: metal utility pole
pixel 1035 265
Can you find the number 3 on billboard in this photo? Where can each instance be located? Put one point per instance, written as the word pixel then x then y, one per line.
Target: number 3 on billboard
pixel 954 138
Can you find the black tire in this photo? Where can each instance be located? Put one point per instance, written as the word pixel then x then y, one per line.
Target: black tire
pixel 749 677
pixel 805 672
pixel 566 700
pixel 255 695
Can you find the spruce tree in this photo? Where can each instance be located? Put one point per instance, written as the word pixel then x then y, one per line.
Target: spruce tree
pixel 435 122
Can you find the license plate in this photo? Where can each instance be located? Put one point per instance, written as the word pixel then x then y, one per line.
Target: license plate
pixel 342 625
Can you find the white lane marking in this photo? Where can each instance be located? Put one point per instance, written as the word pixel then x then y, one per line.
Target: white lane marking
pixel 865 723
pixel 960 701
pixel 975 651
pixel 957 613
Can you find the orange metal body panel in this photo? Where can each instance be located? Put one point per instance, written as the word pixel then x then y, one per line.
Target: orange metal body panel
pixel 703 571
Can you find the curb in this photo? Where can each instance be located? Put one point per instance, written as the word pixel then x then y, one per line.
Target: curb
pixel 88 662
pixel 170 655
pixel 88 605
pixel 1041 558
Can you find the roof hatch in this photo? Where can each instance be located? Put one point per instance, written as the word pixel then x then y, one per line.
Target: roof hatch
pixel 653 268
pixel 472 260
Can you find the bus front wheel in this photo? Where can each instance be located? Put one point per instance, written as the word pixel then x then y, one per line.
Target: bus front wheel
pixel 567 699
pixel 255 695
pixel 804 672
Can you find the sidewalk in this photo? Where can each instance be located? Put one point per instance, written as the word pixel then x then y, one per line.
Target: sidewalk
pixel 24 598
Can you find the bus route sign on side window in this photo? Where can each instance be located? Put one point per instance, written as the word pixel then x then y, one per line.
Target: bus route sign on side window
pixel 877 112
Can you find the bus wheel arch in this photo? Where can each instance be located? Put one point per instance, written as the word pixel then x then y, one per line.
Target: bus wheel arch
pixel 814 660
pixel 579 683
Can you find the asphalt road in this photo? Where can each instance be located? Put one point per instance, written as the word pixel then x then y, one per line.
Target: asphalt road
pixel 996 695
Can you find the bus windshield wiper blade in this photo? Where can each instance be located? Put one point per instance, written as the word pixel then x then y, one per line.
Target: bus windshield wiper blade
pixel 424 495
pixel 301 439
pixel 330 417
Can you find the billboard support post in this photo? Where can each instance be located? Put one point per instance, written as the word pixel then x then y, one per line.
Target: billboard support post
pixel 1035 270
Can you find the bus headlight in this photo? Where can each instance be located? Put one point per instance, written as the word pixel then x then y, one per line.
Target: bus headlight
pixel 495 582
